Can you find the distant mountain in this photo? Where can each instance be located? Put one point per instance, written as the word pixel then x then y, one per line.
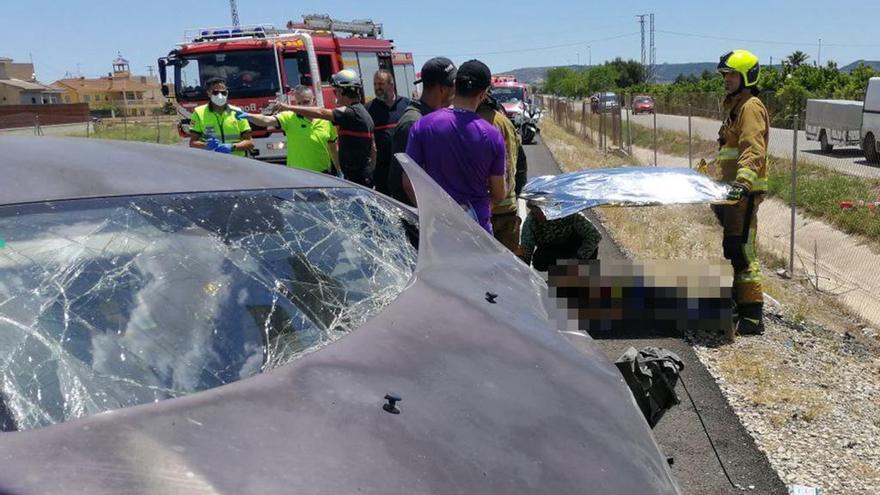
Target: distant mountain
pixel 663 72
pixel 874 64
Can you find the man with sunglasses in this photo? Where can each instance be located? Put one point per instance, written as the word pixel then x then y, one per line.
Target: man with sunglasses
pixel 311 143
pixel 357 151
pixel 214 126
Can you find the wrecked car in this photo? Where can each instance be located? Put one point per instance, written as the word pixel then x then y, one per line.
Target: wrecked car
pixel 174 321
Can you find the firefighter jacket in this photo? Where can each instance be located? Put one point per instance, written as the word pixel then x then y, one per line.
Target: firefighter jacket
pixel 744 138
pixel 511 146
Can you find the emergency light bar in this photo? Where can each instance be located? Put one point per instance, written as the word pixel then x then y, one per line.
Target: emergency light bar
pixel 228 32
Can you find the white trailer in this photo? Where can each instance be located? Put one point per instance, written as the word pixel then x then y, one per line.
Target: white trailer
pixel 834 123
pixel 871 121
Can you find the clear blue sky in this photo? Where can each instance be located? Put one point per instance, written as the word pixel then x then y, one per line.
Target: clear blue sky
pixel 62 34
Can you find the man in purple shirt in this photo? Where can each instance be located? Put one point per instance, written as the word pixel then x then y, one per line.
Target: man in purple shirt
pixel 462 152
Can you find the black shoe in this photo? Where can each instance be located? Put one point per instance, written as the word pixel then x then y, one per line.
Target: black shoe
pixel 748 326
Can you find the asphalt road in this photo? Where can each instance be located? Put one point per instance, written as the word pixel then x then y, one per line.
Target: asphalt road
pixel 849 160
pixel 680 433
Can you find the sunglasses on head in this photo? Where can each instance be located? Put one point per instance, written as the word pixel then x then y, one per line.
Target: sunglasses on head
pixel 220 92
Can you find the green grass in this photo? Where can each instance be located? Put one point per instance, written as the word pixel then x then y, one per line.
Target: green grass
pixel 820 191
pixel 165 133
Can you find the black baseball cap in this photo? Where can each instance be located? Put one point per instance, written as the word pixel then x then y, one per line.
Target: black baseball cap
pixel 438 70
pixel 474 74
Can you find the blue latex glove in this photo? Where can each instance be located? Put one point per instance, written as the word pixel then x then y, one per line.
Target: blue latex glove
pixel 212 143
pixel 225 148
pixel 239 113
pixel 737 192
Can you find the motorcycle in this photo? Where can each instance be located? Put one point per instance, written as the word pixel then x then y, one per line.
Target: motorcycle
pixel 528 128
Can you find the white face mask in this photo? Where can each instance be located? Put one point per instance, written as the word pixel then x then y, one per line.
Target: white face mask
pixel 218 100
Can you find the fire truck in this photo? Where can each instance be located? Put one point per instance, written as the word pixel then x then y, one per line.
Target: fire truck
pixel 513 96
pixel 261 63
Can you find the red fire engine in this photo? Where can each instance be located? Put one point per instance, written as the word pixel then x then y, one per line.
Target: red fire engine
pixel 261 63
pixel 512 95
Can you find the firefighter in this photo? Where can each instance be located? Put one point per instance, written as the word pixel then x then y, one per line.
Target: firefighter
pixel 214 126
pixel 743 139
pixel 357 151
pixel 505 220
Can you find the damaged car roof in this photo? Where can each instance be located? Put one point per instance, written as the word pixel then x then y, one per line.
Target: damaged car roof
pixel 494 398
pixel 48 169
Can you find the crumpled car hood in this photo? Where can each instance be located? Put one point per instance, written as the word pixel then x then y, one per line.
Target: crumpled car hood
pixel 494 400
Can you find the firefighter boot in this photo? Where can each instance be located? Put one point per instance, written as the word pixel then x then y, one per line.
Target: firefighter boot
pixel 751 321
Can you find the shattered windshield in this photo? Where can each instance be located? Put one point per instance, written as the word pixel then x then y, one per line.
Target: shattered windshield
pixel 115 302
pixel 507 95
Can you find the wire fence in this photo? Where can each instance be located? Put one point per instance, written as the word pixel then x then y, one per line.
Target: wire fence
pixel 822 216
pixel 151 129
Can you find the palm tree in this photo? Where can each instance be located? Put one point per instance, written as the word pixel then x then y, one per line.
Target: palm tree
pixel 797 58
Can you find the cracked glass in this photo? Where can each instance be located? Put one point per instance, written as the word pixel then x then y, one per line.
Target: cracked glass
pixel 116 302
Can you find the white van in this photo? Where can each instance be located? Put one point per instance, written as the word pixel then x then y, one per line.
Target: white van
pixel 871 121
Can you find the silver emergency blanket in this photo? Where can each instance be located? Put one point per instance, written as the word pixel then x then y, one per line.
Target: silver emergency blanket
pixel 111 303
pixel 566 194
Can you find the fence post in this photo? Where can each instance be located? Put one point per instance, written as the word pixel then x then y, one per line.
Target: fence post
pixel 655 138
pixel 690 139
pixel 794 146
pixel 158 130
pixel 629 131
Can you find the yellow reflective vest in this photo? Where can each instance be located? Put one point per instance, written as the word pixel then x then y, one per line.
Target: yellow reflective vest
pixel 225 127
pixel 744 138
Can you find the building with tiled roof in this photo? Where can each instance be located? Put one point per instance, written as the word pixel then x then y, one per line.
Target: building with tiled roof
pixel 19 85
pixel 119 92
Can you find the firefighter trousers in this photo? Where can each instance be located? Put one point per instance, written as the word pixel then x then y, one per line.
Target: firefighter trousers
pixel 740 223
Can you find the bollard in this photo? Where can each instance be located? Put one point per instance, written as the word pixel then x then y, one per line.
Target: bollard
pixel 794 147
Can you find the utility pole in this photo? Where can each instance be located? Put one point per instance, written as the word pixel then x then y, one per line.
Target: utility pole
pixel 642 27
pixel 234 8
pixel 150 68
pixel 590 51
pixel 653 52
pixel 819 58
pixel 579 58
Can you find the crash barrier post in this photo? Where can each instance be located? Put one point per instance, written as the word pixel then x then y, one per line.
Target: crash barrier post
pixel 794 144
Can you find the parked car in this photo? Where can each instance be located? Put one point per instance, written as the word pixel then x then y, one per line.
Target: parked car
pixel 642 104
pixel 605 102
pixel 180 321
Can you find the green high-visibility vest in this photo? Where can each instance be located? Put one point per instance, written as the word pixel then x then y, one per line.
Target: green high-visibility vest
pixel 225 127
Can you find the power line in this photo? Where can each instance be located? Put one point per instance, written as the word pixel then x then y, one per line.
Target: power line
pixel 769 42
pixel 549 47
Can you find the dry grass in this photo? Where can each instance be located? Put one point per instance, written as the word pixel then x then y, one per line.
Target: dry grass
pixel 769 383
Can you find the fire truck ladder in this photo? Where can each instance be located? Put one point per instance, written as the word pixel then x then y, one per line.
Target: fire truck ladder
pixel 365 28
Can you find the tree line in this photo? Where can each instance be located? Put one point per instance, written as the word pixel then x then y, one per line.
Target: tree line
pixel 785 87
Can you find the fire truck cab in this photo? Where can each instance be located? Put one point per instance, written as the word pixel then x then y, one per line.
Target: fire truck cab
pixel 261 64
pixel 512 95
